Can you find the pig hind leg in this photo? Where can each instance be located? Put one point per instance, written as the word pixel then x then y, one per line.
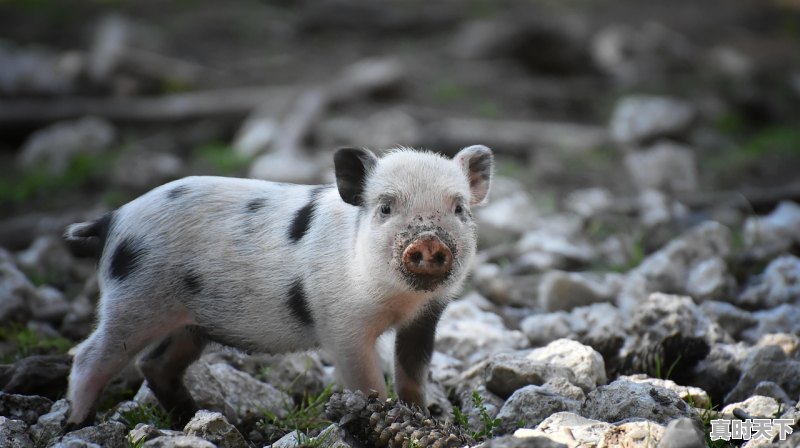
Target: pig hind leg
pixel 164 366
pixel 120 335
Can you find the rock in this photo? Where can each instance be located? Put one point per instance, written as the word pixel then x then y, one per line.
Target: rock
pixel 27 408
pixel 16 291
pixel 49 304
pixel 668 269
pixel 640 119
pixel 213 427
pixel 469 334
pixel 789 343
pixel 709 280
pixel 522 441
pixel 634 435
pixel 56 145
pixel 492 282
pixel 658 209
pixel 583 361
pixel 544 249
pixel 570 429
pixel 779 284
pixel 491 404
pixel 178 441
pixel 105 434
pixel 757 406
pixel 44 375
pixel 781 319
pixel 48 258
pixel 14 434
pixel 642 54
pixel 507 373
pixel 144 432
pixel 236 394
pixel 299 374
pixel 732 319
pixel 622 400
pixel 544 328
pixel 664 166
pixel 36 71
pixel 510 212
pixel 560 290
pixel 530 405
pixel 142 169
pixel 77 323
pixel 664 315
pixel 256 135
pixel 770 235
pixel 772 390
pixel 49 425
pixel 589 202
pixel 767 363
pixel 682 433
pixel 719 372
pixel 695 396
pixel 445 369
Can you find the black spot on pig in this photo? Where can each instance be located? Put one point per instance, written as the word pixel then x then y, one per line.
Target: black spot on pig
pixel 126 257
pixel 254 205
pixel 177 192
pixel 298 305
pixel 302 219
pixel 193 283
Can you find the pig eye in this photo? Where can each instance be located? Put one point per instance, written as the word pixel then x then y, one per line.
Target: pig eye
pixel 386 209
pixel 459 209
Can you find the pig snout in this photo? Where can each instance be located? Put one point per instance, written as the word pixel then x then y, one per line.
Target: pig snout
pixel 428 256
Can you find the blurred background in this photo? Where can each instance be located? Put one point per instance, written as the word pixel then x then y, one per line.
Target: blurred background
pixel 102 100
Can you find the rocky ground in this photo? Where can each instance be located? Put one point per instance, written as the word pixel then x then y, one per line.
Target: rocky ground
pixel 638 272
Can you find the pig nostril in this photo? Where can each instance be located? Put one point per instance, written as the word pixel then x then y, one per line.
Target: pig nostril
pixel 416 257
pixel 439 258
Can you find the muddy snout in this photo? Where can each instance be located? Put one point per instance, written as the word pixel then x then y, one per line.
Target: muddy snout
pixel 428 256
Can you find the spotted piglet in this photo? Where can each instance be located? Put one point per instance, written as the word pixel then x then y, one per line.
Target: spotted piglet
pixel 274 267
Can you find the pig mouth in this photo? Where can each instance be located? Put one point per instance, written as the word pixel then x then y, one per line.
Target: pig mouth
pixel 420 281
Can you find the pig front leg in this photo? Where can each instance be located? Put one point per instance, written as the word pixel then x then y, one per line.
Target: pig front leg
pixel 413 351
pixel 357 364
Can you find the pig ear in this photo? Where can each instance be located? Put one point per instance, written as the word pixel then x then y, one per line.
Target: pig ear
pixel 477 162
pixel 352 167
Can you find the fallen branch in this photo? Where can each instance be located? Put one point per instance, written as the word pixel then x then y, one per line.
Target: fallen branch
pixel 515 137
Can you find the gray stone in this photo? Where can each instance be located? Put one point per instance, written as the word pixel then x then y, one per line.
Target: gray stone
pixel 49 425
pixel 469 334
pixel 757 406
pixel 236 394
pixel 178 442
pixel 642 118
pixel 544 328
pixel 27 408
pixel 772 390
pixel 668 269
pixel 657 209
pixel 105 434
pixel 44 375
pixel 16 291
pixel 719 372
pixel 296 373
pixel 491 404
pixel 695 396
pixel 779 284
pixel 514 441
pixel 568 428
pixel 144 432
pixel 281 166
pixel 781 319
pixel 732 319
pixel 662 315
pixel 589 202
pixel 768 363
pixel 637 434
pixel 554 248
pixel 665 166
pixel 49 304
pixel 770 235
pixel 623 400
pixel 256 135
pixel 789 343
pixel 14 434
pixel 213 427
pixel 709 279
pixel 562 386
pixel 509 213
pixel 48 258
pixel 508 372
pixel 530 405
pixel 37 71
pixel 560 290
pixel 389 128
pixel 56 145
pixel 682 433
pixel 582 360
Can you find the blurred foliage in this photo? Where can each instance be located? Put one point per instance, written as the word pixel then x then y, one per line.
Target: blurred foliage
pixel 25 185
pixel 223 158
pixel 146 413
pixel 21 342
pixel 308 415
